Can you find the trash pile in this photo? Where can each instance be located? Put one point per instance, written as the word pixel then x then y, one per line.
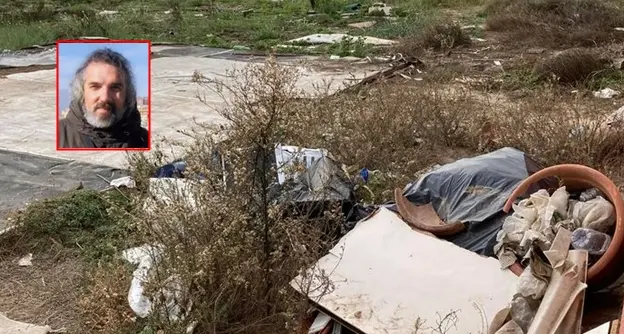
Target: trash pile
pixel 448 231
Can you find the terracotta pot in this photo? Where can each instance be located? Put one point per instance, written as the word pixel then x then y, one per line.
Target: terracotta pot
pixel 578 177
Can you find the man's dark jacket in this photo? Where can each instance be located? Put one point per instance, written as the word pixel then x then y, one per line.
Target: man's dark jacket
pixel 76 132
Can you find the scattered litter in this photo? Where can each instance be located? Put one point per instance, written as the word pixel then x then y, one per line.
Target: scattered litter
pixel 334 57
pixel 362 25
pixel 498 63
pixel 25 261
pixel 619 29
pixel 373 266
pixel 550 293
pixel 380 7
pixel 8 326
pixel 241 48
pixel 126 181
pixel 320 322
pixel 145 258
pixel 167 12
pixel 354 7
pixel 291 159
pixel 606 93
pixel 108 12
pixel 477 39
pixel 170 191
pixel 338 38
pixel 400 66
pixel 173 169
pixel 594 242
pixel 469 27
pixel 536 51
pixel 199 15
pixel 616 118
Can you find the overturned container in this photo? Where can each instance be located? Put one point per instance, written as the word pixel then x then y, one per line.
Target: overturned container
pixel 577 178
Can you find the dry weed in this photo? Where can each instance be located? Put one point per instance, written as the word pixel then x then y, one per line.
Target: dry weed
pixel 237 250
pixel 570 66
pixel 556 22
pixel 105 299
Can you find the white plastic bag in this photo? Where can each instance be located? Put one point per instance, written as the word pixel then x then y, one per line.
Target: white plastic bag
pixel 597 214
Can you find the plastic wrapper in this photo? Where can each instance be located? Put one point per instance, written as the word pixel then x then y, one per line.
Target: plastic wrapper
pixel 597 214
pixel 530 286
pixel 523 311
pixel 596 243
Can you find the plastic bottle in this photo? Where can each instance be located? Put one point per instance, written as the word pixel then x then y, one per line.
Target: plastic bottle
pixel 596 243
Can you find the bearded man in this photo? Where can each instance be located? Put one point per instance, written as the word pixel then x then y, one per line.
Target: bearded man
pixel 103 110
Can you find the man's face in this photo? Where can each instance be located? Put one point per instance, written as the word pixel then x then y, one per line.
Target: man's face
pixel 104 94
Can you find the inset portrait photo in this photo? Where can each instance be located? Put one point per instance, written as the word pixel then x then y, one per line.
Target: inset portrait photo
pixel 103 95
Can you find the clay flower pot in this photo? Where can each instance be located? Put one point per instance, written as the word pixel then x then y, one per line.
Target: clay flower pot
pixel 578 177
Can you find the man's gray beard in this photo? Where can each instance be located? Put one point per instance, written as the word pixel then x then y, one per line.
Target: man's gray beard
pixel 100 123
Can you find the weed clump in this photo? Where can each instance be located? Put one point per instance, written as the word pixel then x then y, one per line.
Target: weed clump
pixel 86 221
pixel 570 66
pixel 444 35
pixel 556 23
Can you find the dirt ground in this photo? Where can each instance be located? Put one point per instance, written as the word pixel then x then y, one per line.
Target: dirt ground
pixel 46 293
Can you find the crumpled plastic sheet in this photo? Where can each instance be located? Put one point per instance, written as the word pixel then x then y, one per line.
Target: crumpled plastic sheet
pixel 474 191
pixel 145 257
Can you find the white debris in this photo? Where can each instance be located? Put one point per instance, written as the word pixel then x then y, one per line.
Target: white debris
pixel 498 63
pixel 619 29
pixel 606 93
pixel 334 57
pixel 362 25
pixel 380 7
pixel 8 326
pixel 616 117
pixel 618 63
pixel 126 181
pixel 26 261
pixel 477 39
pixel 108 12
pixel 173 292
pixel 288 157
pixel 337 38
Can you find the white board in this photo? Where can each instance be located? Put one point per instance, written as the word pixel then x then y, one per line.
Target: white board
pixel 387 278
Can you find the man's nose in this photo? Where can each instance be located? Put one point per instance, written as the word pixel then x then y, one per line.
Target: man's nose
pixel 106 94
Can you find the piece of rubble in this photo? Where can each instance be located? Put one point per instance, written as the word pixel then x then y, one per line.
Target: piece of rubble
pixel 606 93
pixel 362 25
pixel 25 261
pixel 108 12
pixel 8 326
pixel 337 38
pixel 380 7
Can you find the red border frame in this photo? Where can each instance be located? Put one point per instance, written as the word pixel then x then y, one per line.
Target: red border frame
pixel 149 92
